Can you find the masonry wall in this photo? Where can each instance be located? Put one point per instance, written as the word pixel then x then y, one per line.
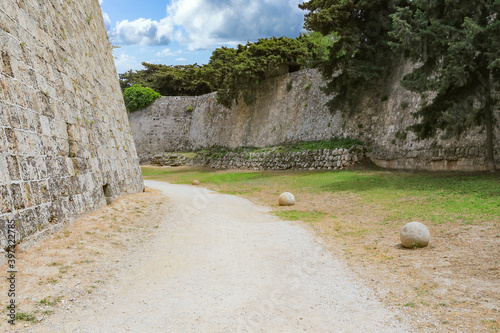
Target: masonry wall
pixel 291 108
pixel 65 142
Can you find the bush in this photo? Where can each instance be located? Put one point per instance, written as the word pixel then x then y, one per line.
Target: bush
pixel 138 97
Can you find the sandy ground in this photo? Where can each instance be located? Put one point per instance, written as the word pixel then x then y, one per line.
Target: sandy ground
pixel 218 263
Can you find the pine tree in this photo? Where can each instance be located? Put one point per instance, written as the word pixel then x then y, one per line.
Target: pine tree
pixel 360 57
pixel 456 48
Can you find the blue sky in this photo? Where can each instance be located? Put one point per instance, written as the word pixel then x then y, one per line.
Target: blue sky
pixel 181 32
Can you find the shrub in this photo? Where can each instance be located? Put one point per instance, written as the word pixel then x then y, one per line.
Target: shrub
pixel 190 108
pixel 138 97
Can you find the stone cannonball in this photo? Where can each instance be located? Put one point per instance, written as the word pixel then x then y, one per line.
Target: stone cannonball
pixel 415 234
pixel 196 182
pixel 286 199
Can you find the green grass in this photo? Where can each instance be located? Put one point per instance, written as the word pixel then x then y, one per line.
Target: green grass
pixel 51 301
pixel 333 143
pixel 465 198
pixel 25 316
pixel 294 215
pixel 205 176
pixel 328 144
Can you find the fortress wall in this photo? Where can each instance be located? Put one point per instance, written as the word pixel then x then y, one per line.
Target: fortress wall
pixel 65 143
pixel 291 108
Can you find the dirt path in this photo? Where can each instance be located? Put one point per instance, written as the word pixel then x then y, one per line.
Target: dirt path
pixel 222 264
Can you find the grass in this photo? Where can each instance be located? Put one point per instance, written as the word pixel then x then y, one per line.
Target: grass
pixel 51 301
pixel 294 215
pixel 465 198
pixel 25 316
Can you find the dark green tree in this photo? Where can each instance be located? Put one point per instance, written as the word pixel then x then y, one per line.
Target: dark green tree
pixel 180 80
pixel 456 48
pixel 361 57
pixel 235 71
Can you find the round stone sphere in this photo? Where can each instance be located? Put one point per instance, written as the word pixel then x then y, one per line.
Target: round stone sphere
pixel 415 234
pixel 286 199
pixel 196 182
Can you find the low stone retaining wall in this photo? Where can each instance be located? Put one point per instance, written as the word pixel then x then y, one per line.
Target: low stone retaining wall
pixel 336 159
pixel 170 160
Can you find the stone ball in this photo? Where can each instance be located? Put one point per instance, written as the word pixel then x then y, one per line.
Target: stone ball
pixel 196 182
pixel 286 199
pixel 415 234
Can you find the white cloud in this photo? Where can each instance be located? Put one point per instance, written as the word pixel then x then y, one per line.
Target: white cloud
pixel 144 32
pixel 107 20
pixel 205 23
pixel 181 59
pixel 165 53
pixel 125 62
pixel 202 24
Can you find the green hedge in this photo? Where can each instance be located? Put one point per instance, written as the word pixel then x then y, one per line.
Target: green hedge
pixel 138 97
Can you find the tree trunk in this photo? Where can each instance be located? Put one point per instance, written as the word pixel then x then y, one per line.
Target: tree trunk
pixel 490 156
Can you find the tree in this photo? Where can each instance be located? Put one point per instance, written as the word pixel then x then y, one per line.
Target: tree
pixel 456 48
pixel 180 80
pixel 361 56
pixel 137 97
pixel 235 71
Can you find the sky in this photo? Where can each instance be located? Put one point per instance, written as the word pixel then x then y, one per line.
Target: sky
pixel 182 32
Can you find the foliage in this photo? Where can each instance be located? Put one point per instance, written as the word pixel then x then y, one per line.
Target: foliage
pixel 26 316
pixel 360 56
pixel 138 97
pixel 235 71
pixel 180 80
pixel 456 45
pixel 230 71
pixel 321 43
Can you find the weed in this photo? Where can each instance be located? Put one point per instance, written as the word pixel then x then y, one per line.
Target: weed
pixel 25 316
pixel 52 280
pixel 89 18
pixel 51 301
pixel 401 135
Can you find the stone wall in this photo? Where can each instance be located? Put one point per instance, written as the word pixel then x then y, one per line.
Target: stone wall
pixel 65 142
pixel 330 159
pixel 291 108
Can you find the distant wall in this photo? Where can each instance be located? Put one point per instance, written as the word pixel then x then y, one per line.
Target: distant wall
pixel 65 142
pixel 291 108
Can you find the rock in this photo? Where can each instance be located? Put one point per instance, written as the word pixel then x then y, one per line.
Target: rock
pixel 415 234
pixel 196 182
pixel 286 199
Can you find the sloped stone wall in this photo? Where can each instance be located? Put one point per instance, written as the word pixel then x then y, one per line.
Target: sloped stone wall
pixel 291 108
pixel 65 142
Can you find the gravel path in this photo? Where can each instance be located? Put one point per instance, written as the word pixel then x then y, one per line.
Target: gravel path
pixel 222 264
